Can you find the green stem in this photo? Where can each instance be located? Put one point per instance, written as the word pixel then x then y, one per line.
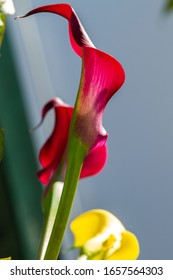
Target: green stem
pixel 77 153
pixel 50 208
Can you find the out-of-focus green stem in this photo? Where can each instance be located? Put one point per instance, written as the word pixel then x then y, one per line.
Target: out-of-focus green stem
pixel 50 207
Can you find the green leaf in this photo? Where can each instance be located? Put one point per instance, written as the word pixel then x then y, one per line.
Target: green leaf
pixel 168 6
pixel 1 143
pixel 2 26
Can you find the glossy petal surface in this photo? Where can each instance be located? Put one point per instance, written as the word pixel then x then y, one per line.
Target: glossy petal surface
pixel 101 77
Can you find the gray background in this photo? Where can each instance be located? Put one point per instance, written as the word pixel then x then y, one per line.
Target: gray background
pixel 136 184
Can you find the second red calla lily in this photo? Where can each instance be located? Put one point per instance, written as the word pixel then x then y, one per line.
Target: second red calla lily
pixel 53 154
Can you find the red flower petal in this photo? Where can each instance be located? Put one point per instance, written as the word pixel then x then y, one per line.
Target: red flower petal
pixel 78 36
pixel 101 77
pixel 54 150
pixel 95 160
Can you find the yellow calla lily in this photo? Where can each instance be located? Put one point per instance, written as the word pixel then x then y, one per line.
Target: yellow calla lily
pixel 101 236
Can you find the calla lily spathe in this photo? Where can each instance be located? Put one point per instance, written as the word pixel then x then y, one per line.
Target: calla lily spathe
pixel 101 236
pixel 53 154
pixel 102 76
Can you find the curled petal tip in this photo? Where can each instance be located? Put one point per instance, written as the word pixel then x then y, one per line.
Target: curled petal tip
pixel 35 127
pixel 17 17
pixel 78 36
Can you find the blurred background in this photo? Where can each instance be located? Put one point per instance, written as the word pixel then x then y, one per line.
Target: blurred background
pixel 36 64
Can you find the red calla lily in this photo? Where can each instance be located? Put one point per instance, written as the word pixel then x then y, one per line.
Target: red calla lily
pixel 53 153
pixel 101 77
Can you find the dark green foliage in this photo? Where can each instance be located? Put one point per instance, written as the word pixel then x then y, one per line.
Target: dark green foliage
pixel 168 6
pixel 1 143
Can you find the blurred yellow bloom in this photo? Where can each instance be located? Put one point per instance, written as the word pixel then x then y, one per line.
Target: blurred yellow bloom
pixel 101 236
pixel 7 7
